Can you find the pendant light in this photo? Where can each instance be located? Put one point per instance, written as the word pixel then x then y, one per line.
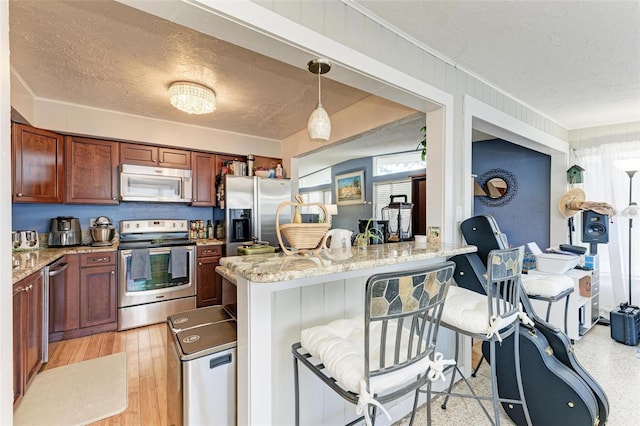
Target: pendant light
pixel 319 125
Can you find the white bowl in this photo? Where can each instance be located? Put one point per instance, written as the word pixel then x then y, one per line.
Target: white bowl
pixel 556 263
pixel 262 173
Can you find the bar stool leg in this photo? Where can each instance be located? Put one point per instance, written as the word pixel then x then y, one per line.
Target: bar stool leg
pixel 566 310
pixel 296 391
pixel 475 370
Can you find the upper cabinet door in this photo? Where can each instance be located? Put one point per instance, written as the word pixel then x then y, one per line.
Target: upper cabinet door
pixel 144 155
pixel 91 171
pixel 154 156
pixel 176 158
pixel 37 165
pixel 204 179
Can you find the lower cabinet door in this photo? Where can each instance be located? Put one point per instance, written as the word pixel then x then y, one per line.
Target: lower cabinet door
pixel 97 296
pixel 209 283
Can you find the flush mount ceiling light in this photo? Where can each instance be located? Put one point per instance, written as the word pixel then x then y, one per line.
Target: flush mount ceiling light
pixel 192 98
pixel 319 125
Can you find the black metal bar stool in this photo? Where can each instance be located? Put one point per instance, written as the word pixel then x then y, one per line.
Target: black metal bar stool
pixel 490 317
pixel 387 353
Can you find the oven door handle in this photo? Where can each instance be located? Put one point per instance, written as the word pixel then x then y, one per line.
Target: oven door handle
pixel 156 250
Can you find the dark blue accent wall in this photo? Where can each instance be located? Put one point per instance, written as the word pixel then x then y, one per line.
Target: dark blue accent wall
pixel 38 216
pixel 526 217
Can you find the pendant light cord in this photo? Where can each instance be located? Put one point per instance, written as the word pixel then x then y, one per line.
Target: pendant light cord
pixel 319 91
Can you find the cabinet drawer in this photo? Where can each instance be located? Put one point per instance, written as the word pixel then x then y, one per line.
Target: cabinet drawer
pixel 595 287
pixel 97 259
pixel 209 251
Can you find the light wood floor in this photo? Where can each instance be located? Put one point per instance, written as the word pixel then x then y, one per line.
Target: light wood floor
pixel 146 369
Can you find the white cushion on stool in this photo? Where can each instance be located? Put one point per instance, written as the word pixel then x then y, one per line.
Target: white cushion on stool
pixel 466 310
pixel 340 347
pixel 546 285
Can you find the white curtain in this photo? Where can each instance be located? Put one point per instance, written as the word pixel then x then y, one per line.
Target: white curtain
pixel 604 182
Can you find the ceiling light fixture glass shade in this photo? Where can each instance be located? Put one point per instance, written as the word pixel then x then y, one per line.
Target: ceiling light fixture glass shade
pixel 319 125
pixel 192 98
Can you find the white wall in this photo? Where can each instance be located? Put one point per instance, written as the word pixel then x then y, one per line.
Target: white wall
pixel 594 136
pixel 6 311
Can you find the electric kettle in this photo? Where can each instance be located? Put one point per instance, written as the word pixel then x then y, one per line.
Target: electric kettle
pixel 338 238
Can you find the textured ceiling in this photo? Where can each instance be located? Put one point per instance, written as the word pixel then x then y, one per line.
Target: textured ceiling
pixel 108 55
pixel 577 62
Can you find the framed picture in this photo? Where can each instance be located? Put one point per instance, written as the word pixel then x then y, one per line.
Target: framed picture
pixel 350 188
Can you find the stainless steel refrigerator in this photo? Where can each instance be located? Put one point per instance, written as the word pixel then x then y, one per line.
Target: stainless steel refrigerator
pixel 250 209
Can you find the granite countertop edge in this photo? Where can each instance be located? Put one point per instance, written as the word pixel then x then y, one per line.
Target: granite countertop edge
pixel 276 267
pixel 33 261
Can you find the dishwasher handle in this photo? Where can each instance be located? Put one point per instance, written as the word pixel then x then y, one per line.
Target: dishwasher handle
pixel 59 269
pixel 221 360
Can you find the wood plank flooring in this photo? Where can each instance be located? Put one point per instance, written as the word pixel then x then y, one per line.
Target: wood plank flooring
pixel 146 369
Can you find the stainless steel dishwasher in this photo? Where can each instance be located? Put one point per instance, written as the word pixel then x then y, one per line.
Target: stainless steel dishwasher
pixel 201 367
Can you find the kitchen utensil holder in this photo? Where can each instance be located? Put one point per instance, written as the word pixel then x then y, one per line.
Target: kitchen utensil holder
pixel 304 238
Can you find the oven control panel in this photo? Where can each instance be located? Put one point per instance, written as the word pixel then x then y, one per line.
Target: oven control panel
pixel 153 225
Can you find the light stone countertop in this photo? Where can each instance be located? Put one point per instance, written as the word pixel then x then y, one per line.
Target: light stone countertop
pixel 227 274
pixel 276 267
pixel 27 262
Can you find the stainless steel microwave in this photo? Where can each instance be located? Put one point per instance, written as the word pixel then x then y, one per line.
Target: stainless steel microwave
pixel 155 184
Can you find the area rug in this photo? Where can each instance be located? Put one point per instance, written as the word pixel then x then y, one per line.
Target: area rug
pixel 76 394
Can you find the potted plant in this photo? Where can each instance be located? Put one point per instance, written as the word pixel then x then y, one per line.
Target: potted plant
pixel 370 233
pixel 423 143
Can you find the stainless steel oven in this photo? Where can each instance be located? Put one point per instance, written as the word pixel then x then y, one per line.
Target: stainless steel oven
pixel 156 271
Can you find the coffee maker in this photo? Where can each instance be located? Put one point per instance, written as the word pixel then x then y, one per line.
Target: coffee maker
pixel 65 231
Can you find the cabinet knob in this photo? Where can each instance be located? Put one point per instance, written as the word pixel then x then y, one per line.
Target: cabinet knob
pixel 199 263
pixel 115 198
pixel 113 272
pixel 19 194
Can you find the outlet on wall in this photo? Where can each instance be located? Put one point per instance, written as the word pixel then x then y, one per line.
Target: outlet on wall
pixel 92 222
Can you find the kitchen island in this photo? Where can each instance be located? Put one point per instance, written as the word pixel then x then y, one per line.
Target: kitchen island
pixel 279 295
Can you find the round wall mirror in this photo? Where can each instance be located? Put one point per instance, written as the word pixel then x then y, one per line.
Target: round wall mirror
pixel 500 186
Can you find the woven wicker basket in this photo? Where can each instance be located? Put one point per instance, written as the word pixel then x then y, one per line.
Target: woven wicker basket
pixel 303 237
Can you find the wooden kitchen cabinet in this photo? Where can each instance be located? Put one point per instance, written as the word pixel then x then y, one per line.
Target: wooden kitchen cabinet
pixel 204 179
pixel 64 297
pixel 221 159
pixel 266 163
pixel 37 165
pixel 82 300
pixel 28 303
pixel 91 171
pixel 149 155
pixel 208 282
pixel 419 199
pixel 98 291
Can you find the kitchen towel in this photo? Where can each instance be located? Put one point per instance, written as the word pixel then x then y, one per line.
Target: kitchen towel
pixel 178 262
pixel 140 264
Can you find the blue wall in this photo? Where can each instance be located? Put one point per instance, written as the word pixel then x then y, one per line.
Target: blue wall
pixel 38 216
pixel 348 216
pixel 526 217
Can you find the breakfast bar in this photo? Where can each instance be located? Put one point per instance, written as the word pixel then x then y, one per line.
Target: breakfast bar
pixel 279 295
